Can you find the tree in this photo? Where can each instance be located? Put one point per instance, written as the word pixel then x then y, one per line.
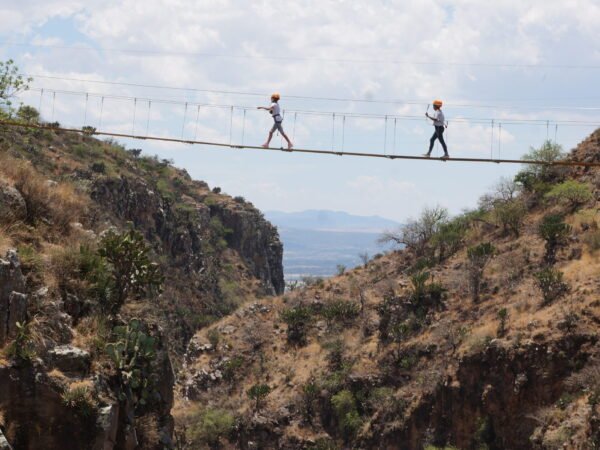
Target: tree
pixel 510 215
pixel 551 283
pixel 131 271
pixel 416 234
pixel 258 393
pixel 11 83
pixel 555 232
pixel 28 114
pixel 548 152
pixel 478 257
pixel 572 193
pixel 298 319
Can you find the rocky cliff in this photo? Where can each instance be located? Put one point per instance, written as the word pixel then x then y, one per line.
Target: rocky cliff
pixel 74 374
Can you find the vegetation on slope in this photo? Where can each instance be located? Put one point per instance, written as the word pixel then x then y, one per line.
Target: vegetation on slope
pixel 478 334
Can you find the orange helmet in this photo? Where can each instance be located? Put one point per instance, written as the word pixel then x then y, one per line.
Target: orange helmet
pixel 275 95
pixel 437 103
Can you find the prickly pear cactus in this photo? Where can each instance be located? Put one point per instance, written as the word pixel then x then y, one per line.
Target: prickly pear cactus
pixel 132 352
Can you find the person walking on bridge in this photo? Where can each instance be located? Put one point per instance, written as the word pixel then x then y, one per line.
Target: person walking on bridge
pixel 275 111
pixel 439 124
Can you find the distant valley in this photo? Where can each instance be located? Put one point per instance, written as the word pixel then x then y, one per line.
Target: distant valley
pixel 316 242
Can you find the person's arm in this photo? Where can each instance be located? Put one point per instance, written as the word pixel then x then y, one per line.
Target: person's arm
pixel 266 108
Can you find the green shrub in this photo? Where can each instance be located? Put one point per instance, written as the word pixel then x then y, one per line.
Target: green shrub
pixel 571 193
pixel 555 232
pixel 79 398
pixel 98 167
pixel 232 367
pixel 298 320
pixel 503 317
pixel 340 311
pixel 130 268
pixel 212 426
pixel 258 393
pixel 478 257
pixel 214 337
pixel 346 413
pixel 592 239
pixel 310 393
pixel 22 348
pixel 550 282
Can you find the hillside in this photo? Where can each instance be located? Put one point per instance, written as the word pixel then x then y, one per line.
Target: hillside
pixel 481 334
pixel 110 261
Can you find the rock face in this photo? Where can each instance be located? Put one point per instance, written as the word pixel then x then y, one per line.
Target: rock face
pixel 13 300
pixel 258 243
pixel 183 234
pixel 70 360
pixel 12 204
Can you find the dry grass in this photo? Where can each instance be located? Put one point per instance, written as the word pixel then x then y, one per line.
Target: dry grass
pixel 57 204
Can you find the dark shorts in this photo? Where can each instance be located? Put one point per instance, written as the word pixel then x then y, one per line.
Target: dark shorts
pixel 277 126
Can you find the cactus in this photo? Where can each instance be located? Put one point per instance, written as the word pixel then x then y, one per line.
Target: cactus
pixel 132 353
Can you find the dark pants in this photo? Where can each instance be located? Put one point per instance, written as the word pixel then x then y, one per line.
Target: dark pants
pixel 438 134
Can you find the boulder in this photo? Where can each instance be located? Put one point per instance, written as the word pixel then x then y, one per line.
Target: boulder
pixel 12 204
pixel 4 445
pixel 107 426
pixel 13 303
pixel 70 360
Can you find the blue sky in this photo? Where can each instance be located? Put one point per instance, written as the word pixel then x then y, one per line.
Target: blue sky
pixel 503 60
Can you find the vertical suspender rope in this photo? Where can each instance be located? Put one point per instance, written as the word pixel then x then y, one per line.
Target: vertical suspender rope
pixel 184 117
pixel 134 111
pixel 332 131
pixel 555 131
pixel 197 121
pixel 101 111
pixel 492 142
pixel 53 102
pixel 547 126
pixel 148 117
pixel 243 126
pixel 343 131
pixel 86 106
pixel 40 107
pixel 394 143
pixel 384 134
pixel 294 130
pixel 230 124
pixel 499 138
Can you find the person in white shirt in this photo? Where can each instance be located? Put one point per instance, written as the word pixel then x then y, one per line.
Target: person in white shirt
pixel 439 123
pixel 275 111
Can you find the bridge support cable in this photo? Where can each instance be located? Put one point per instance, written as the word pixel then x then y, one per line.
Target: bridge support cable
pixel 302 150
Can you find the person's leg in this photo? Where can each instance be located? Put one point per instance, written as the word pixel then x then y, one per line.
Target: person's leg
pixel 431 142
pixel 290 145
pixel 266 144
pixel 440 134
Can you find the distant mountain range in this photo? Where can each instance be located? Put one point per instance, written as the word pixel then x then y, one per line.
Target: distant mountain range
pixel 325 220
pixel 316 242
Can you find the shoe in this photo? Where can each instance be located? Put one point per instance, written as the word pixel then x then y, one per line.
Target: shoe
pixel 290 146
pixel 265 146
pixel 426 155
pixel 446 156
